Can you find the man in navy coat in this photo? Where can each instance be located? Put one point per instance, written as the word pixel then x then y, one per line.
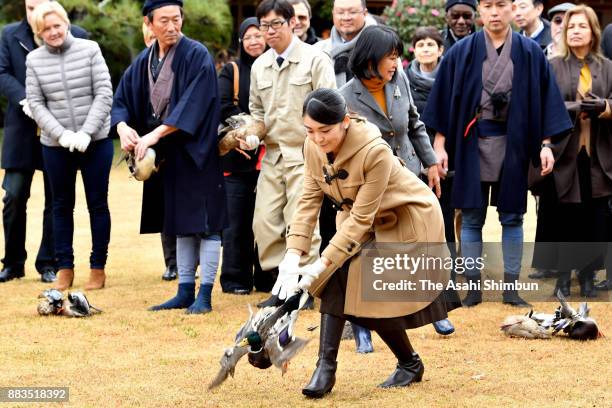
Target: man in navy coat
pixel 168 100
pixel 21 153
pixel 496 108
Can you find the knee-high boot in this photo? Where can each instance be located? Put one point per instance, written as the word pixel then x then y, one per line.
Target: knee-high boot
pixel 409 365
pixel 324 377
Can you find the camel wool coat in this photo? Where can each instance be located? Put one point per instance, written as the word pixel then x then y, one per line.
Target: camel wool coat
pixel 383 202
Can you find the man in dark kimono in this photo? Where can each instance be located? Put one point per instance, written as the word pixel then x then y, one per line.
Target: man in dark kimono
pixel 495 107
pixel 168 100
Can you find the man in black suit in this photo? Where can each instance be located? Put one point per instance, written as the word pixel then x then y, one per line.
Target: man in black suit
pixel 21 153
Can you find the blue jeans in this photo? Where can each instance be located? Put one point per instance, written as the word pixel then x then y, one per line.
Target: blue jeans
pixel 512 239
pixel 95 165
pixel 17 184
pixel 203 249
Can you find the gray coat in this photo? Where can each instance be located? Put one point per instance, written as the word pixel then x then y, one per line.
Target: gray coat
pixel 402 128
pixel 69 88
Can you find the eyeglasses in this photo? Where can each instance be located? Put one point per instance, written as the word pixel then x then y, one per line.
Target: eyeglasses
pixel 466 16
pixel 302 18
pixel 558 20
pixel 350 13
pixel 276 24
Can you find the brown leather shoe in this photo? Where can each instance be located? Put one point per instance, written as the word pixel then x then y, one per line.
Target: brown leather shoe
pixel 96 279
pixel 65 277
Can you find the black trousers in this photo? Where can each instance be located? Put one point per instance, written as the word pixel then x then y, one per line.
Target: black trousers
pixel 169 247
pixel 239 255
pixel 17 184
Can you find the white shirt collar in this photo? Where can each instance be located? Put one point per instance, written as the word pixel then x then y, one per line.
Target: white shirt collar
pixel 287 51
pixel 538 30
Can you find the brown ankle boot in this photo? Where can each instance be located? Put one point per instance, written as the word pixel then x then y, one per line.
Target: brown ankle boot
pixel 96 279
pixel 65 277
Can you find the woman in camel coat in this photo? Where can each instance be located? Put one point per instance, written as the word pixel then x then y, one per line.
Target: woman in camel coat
pixel 378 200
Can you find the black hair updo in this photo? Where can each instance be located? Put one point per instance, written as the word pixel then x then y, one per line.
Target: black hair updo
pixel 325 105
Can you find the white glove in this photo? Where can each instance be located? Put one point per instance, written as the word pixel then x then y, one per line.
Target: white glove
pixel 309 274
pixel 82 141
pixel 287 276
pixel 252 142
pixel 25 106
pixel 67 139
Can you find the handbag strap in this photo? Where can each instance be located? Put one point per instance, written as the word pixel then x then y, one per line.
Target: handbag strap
pixel 236 82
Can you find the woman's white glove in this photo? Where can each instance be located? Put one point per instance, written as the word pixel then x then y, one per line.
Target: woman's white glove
pixel 251 142
pixel 309 274
pixel 82 141
pixel 67 139
pixel 25 107
pixel 287 276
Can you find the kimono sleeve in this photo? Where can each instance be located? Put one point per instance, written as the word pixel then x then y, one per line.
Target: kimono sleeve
pixel 123 101
pixel 199 95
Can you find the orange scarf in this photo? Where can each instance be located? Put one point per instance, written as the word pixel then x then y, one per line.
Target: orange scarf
pixel 376 87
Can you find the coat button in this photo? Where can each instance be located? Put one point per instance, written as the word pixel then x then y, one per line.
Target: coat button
pixel 390 116
pixel 391 134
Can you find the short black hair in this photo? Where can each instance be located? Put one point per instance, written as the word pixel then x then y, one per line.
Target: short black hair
pixel 325 105
pixel 374 44
pixel 280 7
pixel 534 2
pixel 421 33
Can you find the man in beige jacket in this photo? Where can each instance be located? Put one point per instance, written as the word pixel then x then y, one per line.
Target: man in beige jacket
pixel 280 80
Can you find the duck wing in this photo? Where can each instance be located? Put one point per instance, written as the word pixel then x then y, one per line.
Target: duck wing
pixel 228 362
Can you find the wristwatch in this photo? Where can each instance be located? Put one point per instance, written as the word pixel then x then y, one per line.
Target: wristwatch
pixel 549 145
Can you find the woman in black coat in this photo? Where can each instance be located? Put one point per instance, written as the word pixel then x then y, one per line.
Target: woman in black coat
pixel 240 168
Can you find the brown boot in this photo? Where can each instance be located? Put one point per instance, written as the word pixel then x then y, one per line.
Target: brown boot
pixel 65 277
pixel 96 279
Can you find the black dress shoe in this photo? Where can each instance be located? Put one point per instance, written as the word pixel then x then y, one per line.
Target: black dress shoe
pixel 238 291
pixel 10 273
pixel 511 297
pixel 170 274
pixel 604 285
pixel 543 274
pixel 48 275
pixel 405 373
pixel 473 298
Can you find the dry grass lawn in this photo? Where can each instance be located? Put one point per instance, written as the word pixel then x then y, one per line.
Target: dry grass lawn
pixel 128 357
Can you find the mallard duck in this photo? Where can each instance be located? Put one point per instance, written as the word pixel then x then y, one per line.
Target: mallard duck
pixel 74 305
pixel 524 326
pixel 142 169
pixel 577 324
pixel 267 337
pixel 51 302
pixel 239 126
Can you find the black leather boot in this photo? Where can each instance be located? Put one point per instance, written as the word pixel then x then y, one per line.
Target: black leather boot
pixel 474 296
pixel 324 376
pixel 564 282
pixel 409 367
pixel 587 286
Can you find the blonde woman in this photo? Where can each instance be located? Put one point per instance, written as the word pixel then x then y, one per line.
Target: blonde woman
pixel 69 90
pixel 581 194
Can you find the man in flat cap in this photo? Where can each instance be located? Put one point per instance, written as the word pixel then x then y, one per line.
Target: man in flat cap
pixel 460 16
pixel 556 15
pixel 168 99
